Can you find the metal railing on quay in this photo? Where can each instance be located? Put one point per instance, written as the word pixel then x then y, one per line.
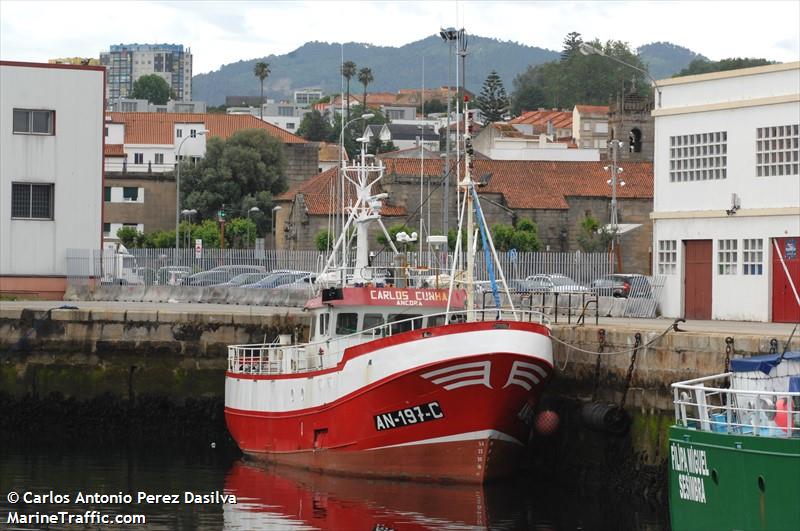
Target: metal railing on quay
pixel 720 409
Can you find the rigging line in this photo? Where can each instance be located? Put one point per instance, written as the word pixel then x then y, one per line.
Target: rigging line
pixel 673 326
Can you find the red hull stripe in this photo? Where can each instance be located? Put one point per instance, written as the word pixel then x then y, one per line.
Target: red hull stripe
pixel 399 339
pixel 545 367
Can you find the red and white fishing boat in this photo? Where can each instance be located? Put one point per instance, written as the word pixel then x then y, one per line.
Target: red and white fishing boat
pixel 397 380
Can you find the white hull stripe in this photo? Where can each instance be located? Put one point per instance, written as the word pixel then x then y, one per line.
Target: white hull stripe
pixel 463 374
pixel 522 371
pixel 468 436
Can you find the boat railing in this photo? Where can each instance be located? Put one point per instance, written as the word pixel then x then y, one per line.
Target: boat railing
pixel 274 359
pixel 709 404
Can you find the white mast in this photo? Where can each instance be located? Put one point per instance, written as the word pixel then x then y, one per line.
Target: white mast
pixel 466 185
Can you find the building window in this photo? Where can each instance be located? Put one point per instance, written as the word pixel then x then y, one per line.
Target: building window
pixel 159 158
pixel 727 257
pixel 130 193
pixel 753 256
pixel 667 257
pixel 193 133
pixel 33 122
pixel 285 111
pixel 31 201
pixel 289 125
pixel 179 133
pixel 698 157
pixel 138 158
pixel 106 193
pixel 105 131
pixel 778 150
pixel 106 229
pixel 587 126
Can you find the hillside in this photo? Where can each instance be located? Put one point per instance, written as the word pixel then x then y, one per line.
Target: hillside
pixel 316 64
pixel 665 59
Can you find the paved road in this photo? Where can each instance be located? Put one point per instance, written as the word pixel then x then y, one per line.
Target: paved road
pixel 722 327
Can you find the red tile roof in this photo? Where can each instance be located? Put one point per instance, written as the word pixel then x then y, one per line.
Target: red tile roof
pixel 114 150
pixel 157 128
pixel 560 119
pixel 600 109
pixel 318 194
pixel 542 184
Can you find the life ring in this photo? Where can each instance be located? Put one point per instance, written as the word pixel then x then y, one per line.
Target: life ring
pixel 782 418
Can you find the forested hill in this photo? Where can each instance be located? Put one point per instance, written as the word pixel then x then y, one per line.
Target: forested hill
pixel 665 59
pixel 316 64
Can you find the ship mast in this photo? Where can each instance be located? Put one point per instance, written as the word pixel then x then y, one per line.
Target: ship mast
pixel 466 185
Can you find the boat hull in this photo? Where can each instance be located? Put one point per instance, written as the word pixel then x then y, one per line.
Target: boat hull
pixel 460 419
pixel 733 481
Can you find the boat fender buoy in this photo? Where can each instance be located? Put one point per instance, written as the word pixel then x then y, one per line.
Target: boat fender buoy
pixel 782 419
pixel 603 417
pixel 547 422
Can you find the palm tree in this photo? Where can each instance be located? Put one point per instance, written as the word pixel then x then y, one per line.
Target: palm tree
pixel 365 77
pixel 348 71
pixel 261 71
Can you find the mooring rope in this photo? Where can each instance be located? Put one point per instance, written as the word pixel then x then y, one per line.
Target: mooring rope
pixel 673 326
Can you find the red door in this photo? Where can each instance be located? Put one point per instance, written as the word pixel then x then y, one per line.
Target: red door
pixel 784 305
pixel 697 287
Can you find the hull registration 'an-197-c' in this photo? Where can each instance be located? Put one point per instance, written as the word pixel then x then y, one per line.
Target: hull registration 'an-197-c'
pixel 408 416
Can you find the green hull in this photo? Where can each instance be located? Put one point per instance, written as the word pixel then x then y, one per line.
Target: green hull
pixel 720 481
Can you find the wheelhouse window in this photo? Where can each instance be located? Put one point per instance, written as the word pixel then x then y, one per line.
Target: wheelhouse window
pixel 324 319
pixel 372 320
pixel 346 323
pixel 31 201
pixel 406 324
pixel 34 122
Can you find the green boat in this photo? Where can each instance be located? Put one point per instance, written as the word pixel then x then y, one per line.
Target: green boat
pixel 735 448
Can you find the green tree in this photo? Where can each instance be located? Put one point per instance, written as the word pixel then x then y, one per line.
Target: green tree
pixel 493 100
pixel 572 43
pixel 240 233
pixel 703 66
pixel 127 236
pixel 261 71
pixel 348 71
pixel 152 88
pixel 209 232
pixel 323 240
pixel 592 237
pixel 524 237
pixel 160 239
pixel 579 79
pixel 314 127
pixel 365 78
pixel 434 105
pixel 244 171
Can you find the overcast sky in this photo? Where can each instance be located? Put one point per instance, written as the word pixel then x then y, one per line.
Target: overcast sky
pixel 224 32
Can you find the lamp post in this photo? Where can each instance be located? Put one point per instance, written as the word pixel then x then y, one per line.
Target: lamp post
pixel 200 132
pixel 448 35
pixel 588 49
pixel 615 171
pixel 190 214
pixel 252 209
pixel 272 227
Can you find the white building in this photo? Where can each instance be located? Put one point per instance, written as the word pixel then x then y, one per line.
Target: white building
pixel 590 126
pixel 504 141
pixel 727 194
pixel 51 172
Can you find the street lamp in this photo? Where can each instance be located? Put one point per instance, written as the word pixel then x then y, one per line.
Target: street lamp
pixel 200 132
pixel 190 214
pixel 274 232
pixel 588 49
pixel 252 209
pixel 448 35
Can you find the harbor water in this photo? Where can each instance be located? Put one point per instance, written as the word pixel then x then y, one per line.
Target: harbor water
pixel 193 487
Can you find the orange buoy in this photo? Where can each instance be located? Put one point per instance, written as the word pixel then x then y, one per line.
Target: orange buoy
pixel 547 422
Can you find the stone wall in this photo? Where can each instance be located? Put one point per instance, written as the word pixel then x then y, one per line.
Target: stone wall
pixel 302 162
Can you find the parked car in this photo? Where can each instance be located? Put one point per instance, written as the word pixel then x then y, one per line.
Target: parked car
pixel 206 278
pixel 147 274
pixel 278 279
pixel 550 284
pixel 622 285
pixel 242 279
pixel 172 275
pixel 238 269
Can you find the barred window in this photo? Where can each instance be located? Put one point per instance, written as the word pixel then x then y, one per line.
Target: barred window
pixel 667 257
pixel 31 201
pixel 34 122
pixel 727 257
pixel 753 256
pixel 778 150
pixel 698 157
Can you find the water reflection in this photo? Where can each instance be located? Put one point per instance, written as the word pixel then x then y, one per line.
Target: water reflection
pixel 283 498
